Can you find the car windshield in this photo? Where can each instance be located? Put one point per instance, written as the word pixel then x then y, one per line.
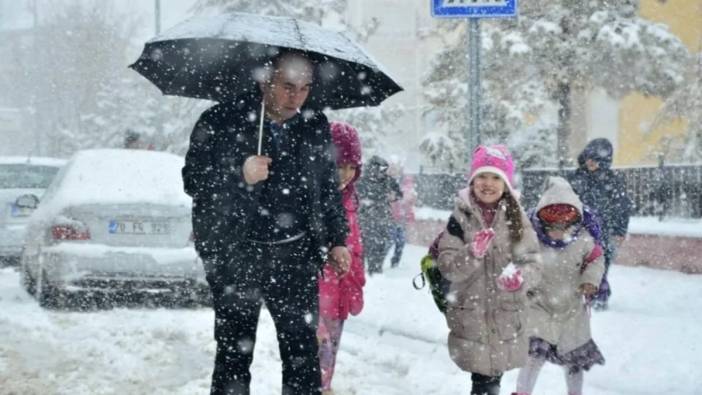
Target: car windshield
pixel 26 176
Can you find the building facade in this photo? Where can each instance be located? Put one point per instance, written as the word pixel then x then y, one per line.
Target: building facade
pixel 629 122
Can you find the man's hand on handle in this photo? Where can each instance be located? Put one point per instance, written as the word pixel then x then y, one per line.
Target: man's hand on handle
pixel 256 168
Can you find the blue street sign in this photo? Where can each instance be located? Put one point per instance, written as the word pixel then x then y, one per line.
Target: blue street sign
pixel 473 8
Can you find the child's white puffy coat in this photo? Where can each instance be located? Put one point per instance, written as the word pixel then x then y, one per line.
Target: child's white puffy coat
pixel 557 312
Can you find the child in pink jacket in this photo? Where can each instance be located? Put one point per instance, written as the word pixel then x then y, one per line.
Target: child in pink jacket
pixel 341 296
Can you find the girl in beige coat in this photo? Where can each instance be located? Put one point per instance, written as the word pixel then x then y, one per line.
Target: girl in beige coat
pixel 573 265
pixel 489 252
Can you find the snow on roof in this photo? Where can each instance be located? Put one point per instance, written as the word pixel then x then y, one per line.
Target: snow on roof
pixel 105 176
pixel 32 160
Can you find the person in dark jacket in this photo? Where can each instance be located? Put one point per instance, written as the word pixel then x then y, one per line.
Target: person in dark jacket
pixel 377 190
pixel 603 190
pixel 264 224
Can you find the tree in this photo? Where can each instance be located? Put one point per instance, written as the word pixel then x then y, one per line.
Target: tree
pixel 79 48
pixel 71 53
pixel 127 101
pixel 553 48
pixel 685 103
pixel 71 79
pixel 311 10
pixel 603 44
pixel 509 92
pixel 321 12
pixel 372 124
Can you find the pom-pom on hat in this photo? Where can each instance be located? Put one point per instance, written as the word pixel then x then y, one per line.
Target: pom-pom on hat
pixel 494 159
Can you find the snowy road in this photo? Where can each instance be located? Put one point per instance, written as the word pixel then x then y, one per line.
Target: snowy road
pixel 650 339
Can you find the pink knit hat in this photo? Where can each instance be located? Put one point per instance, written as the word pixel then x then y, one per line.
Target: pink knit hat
pixel 493 159
pixel 346 142
pixel 347 146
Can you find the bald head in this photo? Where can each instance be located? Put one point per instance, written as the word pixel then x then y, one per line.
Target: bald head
pixel 288 86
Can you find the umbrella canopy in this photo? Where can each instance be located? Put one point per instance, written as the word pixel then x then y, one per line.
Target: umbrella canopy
pixel 218 58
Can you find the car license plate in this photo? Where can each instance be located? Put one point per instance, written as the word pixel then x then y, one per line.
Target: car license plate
pixel 138 227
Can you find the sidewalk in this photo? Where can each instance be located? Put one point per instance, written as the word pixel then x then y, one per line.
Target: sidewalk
pixel 673 244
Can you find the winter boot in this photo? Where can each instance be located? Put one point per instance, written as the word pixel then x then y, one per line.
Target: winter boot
pixel 485 385
pixel 520 393
pixel 486 389
pixel 600 305
pixel 394 262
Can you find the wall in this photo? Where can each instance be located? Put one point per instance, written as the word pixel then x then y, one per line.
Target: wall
pixel 639 145
pixel 659 252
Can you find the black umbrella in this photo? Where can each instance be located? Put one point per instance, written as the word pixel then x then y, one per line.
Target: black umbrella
pixel 218 57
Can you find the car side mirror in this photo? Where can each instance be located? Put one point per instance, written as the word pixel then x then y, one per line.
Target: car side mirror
pixel 27 201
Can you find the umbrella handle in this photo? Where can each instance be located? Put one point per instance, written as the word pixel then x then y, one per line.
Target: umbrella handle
pixel 260 126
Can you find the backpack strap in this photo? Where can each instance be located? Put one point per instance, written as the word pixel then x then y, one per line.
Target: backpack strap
pixel 419 282
pixel 594 254
pixel 454 228
pixel 434 247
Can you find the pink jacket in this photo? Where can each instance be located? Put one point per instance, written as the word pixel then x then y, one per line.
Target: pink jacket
pixel 403 209
pixel 340 296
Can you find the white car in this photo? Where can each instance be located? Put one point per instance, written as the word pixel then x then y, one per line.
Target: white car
pixel 114 222
pixel 22 183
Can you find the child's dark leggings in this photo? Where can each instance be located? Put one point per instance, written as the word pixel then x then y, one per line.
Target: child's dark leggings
pixel 485 385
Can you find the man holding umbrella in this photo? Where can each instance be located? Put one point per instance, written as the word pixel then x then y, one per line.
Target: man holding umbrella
pixel 267 212
pixel 260 221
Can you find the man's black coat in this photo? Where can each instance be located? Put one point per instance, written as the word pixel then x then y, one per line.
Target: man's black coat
pixel 224 205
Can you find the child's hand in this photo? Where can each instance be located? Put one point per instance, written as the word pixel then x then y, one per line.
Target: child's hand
pixel 587 289
pixel 511 279
pixel 340 260
pixel 481 242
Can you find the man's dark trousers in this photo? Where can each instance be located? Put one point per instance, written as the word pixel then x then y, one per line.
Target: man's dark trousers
pixel 285 278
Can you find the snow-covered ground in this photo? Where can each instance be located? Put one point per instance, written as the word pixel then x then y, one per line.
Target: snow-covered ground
pixel 397 346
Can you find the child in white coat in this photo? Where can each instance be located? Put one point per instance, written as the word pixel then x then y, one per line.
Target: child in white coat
pixel 573 263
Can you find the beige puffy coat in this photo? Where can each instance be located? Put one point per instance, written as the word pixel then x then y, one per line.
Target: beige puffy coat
pixel 487 325
pixel 557 313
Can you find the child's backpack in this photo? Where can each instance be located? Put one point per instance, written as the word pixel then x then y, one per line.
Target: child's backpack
pixel 438 284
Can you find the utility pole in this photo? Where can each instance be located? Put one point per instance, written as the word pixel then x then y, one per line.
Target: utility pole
pixel 159 111
pixel 473 131
pixel 157 16
pixel 474 12
pixel 34 98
